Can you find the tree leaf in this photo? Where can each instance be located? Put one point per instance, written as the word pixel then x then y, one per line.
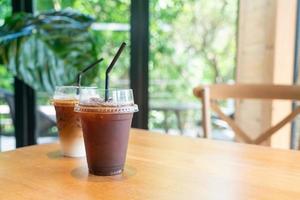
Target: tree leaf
pixel 48 49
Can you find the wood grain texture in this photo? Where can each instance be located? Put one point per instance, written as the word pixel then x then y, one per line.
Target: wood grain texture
pixel 250 91
pixel 157 167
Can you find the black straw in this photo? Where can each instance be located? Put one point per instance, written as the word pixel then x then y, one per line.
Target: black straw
pixel 113 62
pixel 79 75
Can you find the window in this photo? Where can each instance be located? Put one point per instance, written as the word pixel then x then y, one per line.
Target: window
pixel 110 29
pixel 7 141
pixel 191 43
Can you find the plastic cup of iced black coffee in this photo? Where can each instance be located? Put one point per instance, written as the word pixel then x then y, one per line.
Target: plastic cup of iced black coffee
pixel 68 123
pixel 106 126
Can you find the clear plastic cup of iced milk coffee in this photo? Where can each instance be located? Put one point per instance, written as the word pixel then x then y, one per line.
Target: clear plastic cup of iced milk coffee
pixel 106 126
pixel 68 122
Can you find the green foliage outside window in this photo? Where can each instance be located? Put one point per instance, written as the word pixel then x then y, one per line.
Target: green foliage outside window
pixel 5 76
pixel 191 42
pixel 47 49
pixel 107 42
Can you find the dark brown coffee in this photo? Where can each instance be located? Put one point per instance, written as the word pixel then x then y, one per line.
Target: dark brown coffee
pixel 106 139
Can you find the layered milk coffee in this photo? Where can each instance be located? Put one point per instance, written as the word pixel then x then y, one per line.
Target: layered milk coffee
pixel 68 122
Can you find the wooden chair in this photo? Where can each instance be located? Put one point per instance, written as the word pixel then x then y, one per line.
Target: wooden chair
pixel 211 93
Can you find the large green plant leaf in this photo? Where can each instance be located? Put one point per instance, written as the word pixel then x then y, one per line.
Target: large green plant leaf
pixel 48 49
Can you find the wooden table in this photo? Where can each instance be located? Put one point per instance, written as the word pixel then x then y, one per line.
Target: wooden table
pixel 158 167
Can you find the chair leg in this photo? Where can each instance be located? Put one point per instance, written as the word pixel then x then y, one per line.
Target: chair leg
pixel 206 121
pixel 166 126
pixel 179 124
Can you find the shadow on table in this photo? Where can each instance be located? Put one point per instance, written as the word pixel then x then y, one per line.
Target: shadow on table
pixel 82 173
pixel 55 154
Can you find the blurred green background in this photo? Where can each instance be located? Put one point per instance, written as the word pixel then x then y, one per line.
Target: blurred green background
pixel 191 42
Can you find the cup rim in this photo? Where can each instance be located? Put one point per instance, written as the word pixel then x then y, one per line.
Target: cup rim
pixel 106 110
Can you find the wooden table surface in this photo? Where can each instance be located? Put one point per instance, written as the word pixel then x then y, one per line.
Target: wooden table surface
pixel 158 167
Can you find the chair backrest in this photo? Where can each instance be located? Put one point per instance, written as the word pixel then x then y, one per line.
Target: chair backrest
pixel 208 94
pixel 250 91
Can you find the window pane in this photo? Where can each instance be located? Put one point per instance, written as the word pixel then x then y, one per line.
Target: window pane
pixel 6 77
pixel 110 29
pixel 192 42
pixel 6 92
